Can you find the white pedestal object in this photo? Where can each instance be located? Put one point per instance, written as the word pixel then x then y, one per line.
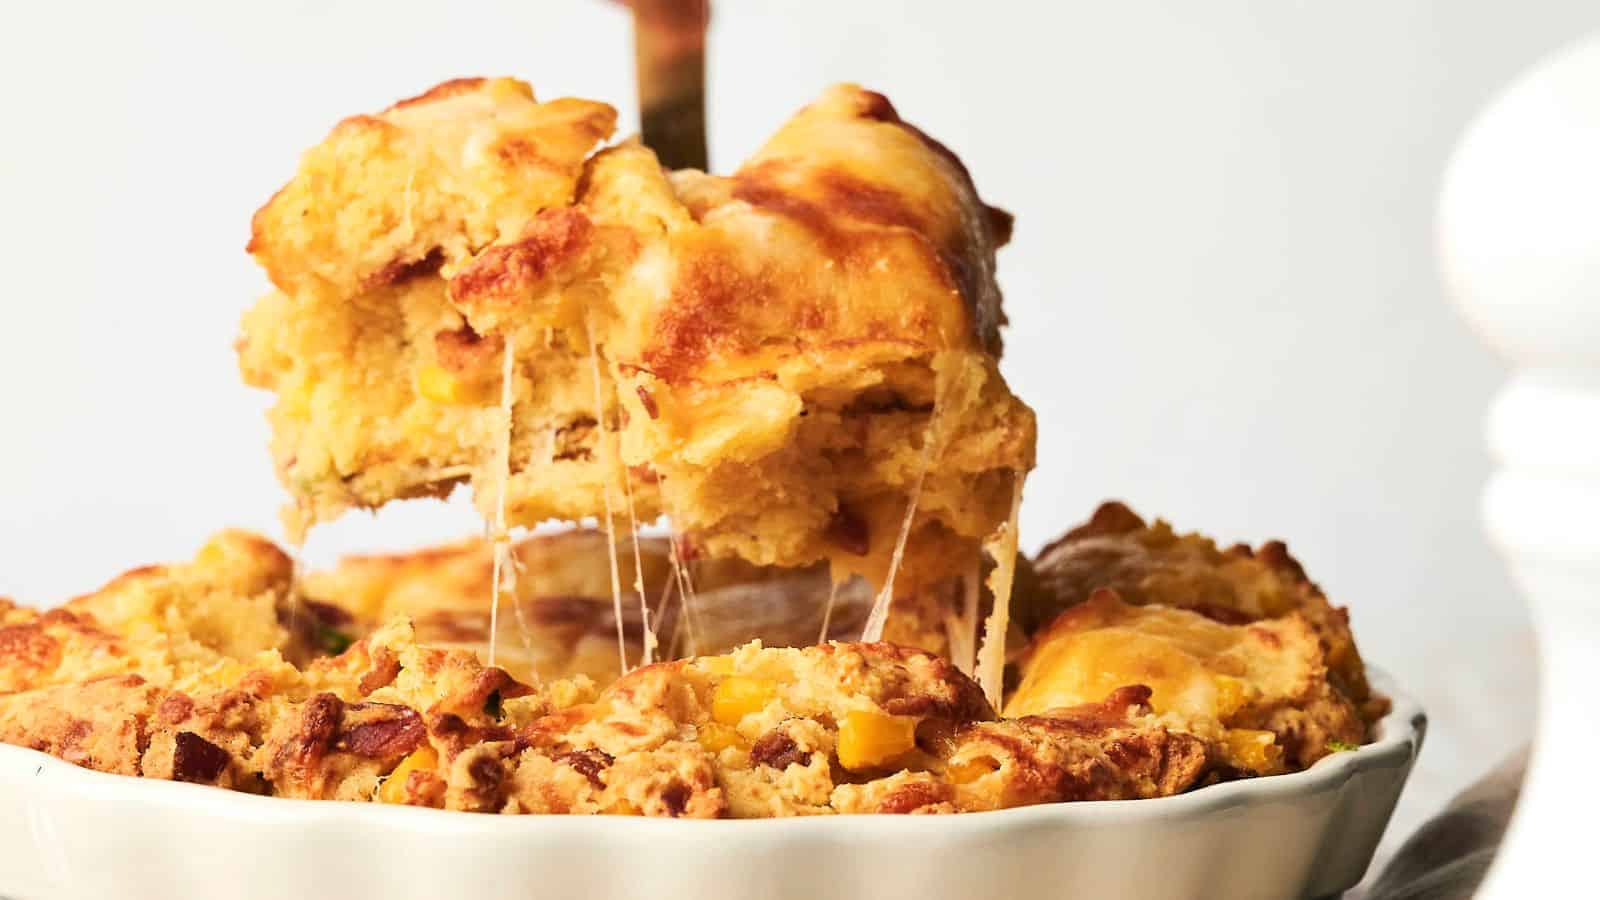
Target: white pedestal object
pixel 1519 238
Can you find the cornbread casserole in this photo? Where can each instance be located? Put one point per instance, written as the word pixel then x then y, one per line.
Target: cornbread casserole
pixel 212 671
pixel 795 362
pixel 146 678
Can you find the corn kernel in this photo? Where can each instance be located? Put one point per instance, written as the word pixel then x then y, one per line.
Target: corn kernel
pixel 869 739
pixel 1257 751
pixel 211 554
pixel 717 738
pixel 971 770
pixel 422 759
pixel 1231 694
pixel 717 665
pixel 737 696
pixel 442 386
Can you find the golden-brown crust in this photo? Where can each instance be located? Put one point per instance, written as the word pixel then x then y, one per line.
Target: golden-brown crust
pixel 1154 564
pixel 841 727
pixel 1107 750
pixel 441 91
pixel 354 217
pixel 738 322
pixel 1261 691
pixel 84 724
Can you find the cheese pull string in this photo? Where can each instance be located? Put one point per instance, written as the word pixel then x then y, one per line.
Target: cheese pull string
pixel 933 441
pixel 498 533
pixel 606 464
pixel 1003 548
pixel 827 611
pixel 648 637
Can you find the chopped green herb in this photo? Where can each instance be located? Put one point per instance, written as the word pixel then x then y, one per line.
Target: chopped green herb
pixel 329 639
pixel 1341 746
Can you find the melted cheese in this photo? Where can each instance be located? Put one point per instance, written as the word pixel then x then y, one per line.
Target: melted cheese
pixel 885 598
pixel 607 464
pixel 932 450
pixel 675 642
pixel 1003 548
pixel 498 533
pixel 648 654
pixel 685 586
pixel 827 611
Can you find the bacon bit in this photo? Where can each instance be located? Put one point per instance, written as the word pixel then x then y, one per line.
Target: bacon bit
pixel 398 271
pixel 648 402
pixel 590 763
pixel 676 798
pixel 454 732
pixel 175 708
pixel 487 772
pixel 386 731
pixel 197 760
pixel 319 722
pixel 645 474
pixel 448 724
pixel 385 666
pixel 849 532
pixel 778 750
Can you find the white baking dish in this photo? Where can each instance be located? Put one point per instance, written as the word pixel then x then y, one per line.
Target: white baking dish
pixel 70 833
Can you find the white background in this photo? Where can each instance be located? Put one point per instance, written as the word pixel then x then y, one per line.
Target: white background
pixel 1222 289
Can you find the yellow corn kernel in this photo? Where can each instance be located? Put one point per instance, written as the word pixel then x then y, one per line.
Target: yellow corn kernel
pixel 869 739
pixel 442 386
pixel 1231 695
pixel 717 738
pixel 422 759
pixel 211 554
pixel 737 696
pixel 971 770
pixel 717 665
pixel 1257 751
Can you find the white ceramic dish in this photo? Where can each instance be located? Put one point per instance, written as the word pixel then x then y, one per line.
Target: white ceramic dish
pixel 70 833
